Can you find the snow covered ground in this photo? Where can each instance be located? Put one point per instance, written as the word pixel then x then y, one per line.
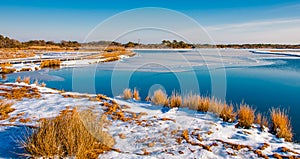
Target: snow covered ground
pixel 157 133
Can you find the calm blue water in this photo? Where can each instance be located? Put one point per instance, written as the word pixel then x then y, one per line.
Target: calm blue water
pixel 262 87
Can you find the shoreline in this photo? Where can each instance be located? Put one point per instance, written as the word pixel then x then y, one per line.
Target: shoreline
pixel 219 136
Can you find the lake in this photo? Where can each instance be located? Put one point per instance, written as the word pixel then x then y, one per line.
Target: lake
pixel 262 81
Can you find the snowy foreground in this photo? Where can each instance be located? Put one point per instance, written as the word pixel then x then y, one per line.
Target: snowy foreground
pixel 156 133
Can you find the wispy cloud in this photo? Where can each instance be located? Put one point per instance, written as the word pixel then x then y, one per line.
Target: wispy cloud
pixel 253 24
pixel 268 31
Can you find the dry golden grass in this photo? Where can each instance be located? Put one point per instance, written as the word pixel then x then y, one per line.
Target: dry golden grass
pixel 136 94
pixel 114 48
pixel 5 109
pixel 21 92
pixel 25 120
pixel 6 64
pixel 11 53
pixel 261 120
pixel 127 94
pixel 43 84
pixel 25 69
pixel 110 59
pixel 191 101
pixel 50 63
pixel 175 100
pixel 216 106
pixel 204 104
pixel 281 124
pixel 159 98
pixel 26 80
pixel 71 134
pixel 245 116
pixel 227 113
pixel 6 70
pixel 19 80
pixel 196 102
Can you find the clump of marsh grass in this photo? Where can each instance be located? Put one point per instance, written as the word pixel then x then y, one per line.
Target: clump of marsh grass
pixel 281 124
pixel 25 80
pixel 127 94
pixel 216 106
pixel 245 116
pixel 71 134
pixel 227 113
pixel 136 94
pixel 191 101
pixel 50 63
pixel 261 120
pixel 159 98
pixel 196 102
pixel 5 109
pixel 175 100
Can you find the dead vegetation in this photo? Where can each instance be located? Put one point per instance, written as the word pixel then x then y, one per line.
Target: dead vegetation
pixel 7 70
pixel 50 63
pixel 20 92
pixel 160 98
pixel 227 113
pixel 175 100
pixel 5 109
pixel 136 94
pixel 261 120
pixel 127 94
pixel 25 80
pixel 281 124
pixel 72 133
pixel 245 116
pixel 185 136
pixel 11 53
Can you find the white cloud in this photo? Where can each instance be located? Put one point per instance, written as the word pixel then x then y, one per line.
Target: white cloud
pixel 269 31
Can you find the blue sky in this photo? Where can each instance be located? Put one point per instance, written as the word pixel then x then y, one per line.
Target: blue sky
pixel 233 21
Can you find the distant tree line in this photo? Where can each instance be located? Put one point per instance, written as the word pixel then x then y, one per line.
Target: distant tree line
pixel 259 46
pixel 6 42
pixel 177 44
pixel 180 44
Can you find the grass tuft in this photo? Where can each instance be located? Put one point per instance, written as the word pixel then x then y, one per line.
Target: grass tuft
pixel 26 80
pixel 191 101
pixel 5 109
pixel 175 100
pixel 136 95
pixel 261 120
pixel 245 116
pixel 127 94
pixel 159 98
pixel 281 124
pixel 72 133
pixel 227 113
pixel 50 63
